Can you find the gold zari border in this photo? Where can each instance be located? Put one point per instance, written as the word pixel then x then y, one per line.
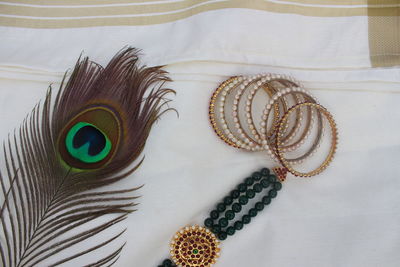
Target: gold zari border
pixel 384 38
pixel 178 13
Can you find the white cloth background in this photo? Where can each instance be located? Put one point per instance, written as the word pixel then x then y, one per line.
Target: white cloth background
pixel 349 216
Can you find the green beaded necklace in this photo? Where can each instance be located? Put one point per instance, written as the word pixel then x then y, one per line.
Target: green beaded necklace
pixel 198 246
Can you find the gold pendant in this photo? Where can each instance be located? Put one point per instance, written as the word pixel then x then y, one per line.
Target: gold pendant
pixel 194 246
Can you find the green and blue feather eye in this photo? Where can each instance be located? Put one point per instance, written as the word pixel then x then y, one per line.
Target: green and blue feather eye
pixel 87 143
pixel 90 139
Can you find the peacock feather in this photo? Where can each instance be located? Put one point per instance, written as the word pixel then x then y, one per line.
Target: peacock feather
pixel 63 155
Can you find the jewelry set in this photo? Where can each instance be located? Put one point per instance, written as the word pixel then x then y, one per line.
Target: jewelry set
pixel 268 113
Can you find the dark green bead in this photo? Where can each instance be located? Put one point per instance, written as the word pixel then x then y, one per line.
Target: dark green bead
pixel 246 219
pixel 235 193
pixel 272 193
pixel 236 207
pixel 249 181
pixel 277 186
pixel 272 178
pixel 208 222
pixel 222 236
pixel 266 200
pixel 230 230
pixel 214 214
pixel 229 215
pixel 264 182
pixel 215 229
pixel 259 206
pixel 242 187
pixel 221 207
pixel 228 200
pixel 243 200
pixel 253 212
pixel 264 171
pixel 257 176
pixel 223 222
pixel 167 263
pixel 250 193
pixel 238 225
pixel 258 188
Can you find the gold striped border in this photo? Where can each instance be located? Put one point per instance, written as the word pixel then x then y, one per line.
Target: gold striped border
pixel 74 2
pixel 112 2
pixel 346 2
pixel 261 5
pixel 89 11
pixel 384 39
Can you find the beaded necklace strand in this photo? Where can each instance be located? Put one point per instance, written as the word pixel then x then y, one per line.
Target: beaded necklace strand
pixel 199 245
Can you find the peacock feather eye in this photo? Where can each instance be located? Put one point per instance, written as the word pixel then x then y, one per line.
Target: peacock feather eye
pixel 90 139
pixel 87 143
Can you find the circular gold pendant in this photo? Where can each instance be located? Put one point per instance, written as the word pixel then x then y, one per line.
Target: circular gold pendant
pixel 194 246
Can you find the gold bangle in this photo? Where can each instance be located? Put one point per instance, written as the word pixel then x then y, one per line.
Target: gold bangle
pixel 211 112
pixel 272 140
pixel 332 150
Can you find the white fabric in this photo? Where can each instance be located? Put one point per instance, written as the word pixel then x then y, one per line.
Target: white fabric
pixel 234 35
pixel 348 216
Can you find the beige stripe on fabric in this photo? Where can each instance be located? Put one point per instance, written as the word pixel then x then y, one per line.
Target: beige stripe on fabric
pixel 75 2
pixel 89 11
pixel 346 2
pixel 384 40
pixel 39 22
pixel 111 2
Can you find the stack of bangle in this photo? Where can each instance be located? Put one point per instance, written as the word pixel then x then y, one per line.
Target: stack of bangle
pixel 295 114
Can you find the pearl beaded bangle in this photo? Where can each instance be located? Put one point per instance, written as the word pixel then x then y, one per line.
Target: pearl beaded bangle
pixel 256 84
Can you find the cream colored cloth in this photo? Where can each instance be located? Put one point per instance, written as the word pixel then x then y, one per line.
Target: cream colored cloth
pixel 348 216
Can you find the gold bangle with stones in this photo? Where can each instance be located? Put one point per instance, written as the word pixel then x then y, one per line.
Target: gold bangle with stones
pixel 220 118
pixel 299 117
pixel 269 143
pixel 301 140
pixel 332 150
pixel 211 112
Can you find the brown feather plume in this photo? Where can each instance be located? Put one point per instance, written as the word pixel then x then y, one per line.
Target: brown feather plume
pixel 67 149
